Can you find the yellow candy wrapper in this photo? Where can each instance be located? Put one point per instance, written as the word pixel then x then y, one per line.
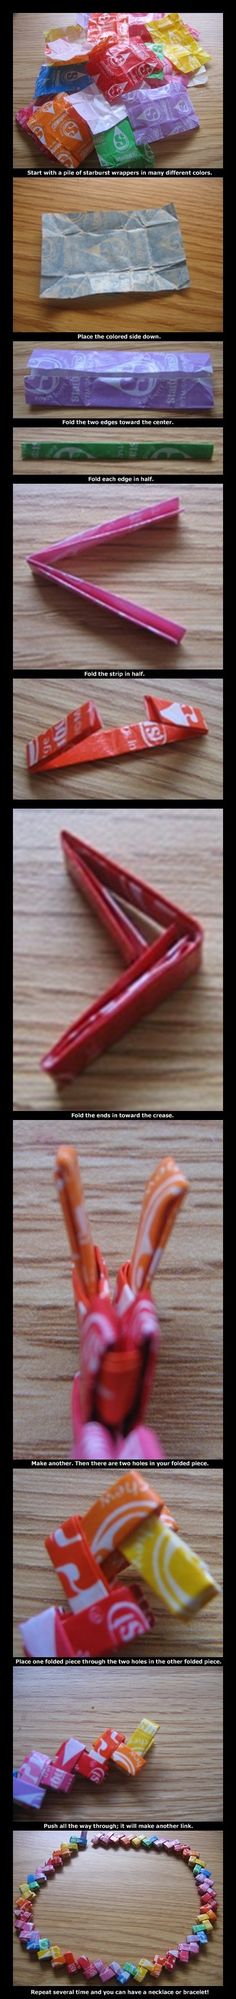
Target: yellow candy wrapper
pixel 184 52
pixel 143 1736
pixel 173 1572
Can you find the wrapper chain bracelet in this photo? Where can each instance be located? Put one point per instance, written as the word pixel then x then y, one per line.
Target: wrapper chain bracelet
pixel 198 1937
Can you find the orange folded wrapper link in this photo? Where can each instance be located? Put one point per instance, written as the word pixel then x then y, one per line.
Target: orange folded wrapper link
pixel 80 738
pixel 129 1517
pixel 119 1336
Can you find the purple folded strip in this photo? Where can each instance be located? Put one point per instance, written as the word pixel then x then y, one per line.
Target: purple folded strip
pixel 84 379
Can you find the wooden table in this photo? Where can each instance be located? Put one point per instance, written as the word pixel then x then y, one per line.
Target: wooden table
pixel 192 771
pixel 199 149
pixel 67 468
pixel 116 1162
pixel 175 568
pixel 44 1497
pixel 198 309
pixel 183 1771
pixel 132 1903
pixel 22 350
pixel 62 957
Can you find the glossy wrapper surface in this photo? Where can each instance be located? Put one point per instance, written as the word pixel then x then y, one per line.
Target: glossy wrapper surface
pixel 141 380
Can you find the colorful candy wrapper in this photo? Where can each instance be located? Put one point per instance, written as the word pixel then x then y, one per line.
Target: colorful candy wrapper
pixel 161 114
pixel 125 68
pixel 163 1197
pixel 173 1572
pixel 119 449
pixel 23 118
pixel 89 379
pixel 70 730
pixel 52 79
pixel 119 1621
pixel 47 562
pixel 118 1341
pixel 108 1521
pixel 63 131
pixel 96 253
pixel 118 147
pixel 170 724
pixel 103 1615
pixel 171 35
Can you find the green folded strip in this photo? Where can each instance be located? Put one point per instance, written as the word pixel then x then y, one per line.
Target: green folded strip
pixel 120 448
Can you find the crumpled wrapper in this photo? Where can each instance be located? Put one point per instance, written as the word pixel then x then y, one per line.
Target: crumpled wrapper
pixel 118 148
pixel 61 130
pixel 139 379
pixel 179 42
pixel 97 253
pixel 54 77
pixel 160 114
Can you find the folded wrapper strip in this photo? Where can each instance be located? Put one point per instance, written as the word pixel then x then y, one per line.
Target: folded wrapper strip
pixel 47 562
pixel 152 971
pixel 87 379
pixel 120 449
pixel 73 1760
pixel 79 738
pixel 119 1337
pixel 128 1523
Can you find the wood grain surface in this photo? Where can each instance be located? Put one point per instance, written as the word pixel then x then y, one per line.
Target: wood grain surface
pixel 120 1905
pixel 198 309
pixel 117 1161
pixel 63 957
pixel 67 468
pixel 190 770
pixel 22 349
pixel 199 149
pixel 182 1776
pixel 175 568
pixel 43 1497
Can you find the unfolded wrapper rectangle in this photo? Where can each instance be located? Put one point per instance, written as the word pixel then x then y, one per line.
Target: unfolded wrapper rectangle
pixel 85 379
pixel 99 253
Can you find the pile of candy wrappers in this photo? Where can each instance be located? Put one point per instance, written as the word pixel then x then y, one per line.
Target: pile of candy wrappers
pixel 117 83
pixel 128 1532
pixel 39 1773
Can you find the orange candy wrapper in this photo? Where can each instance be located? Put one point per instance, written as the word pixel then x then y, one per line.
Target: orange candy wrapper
pixel 62 131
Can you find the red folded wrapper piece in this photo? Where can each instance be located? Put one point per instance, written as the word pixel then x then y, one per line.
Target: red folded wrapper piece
pixel 79 740
pixel 104 1627
pixel 153 971
pixel 72 729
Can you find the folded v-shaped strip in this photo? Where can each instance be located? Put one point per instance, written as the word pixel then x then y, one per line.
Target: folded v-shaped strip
pixel 48 561
pixel 86 741
pixel 153 970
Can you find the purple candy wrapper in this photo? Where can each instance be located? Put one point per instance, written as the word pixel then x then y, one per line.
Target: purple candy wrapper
pixel 84 379
pixel 159 114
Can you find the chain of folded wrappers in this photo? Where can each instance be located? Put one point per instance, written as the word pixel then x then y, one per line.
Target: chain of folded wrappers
pixel 38 1772
pixel 44 1950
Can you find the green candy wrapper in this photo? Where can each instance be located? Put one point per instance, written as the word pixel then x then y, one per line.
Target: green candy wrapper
pixel 119 148
pixel 119 448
